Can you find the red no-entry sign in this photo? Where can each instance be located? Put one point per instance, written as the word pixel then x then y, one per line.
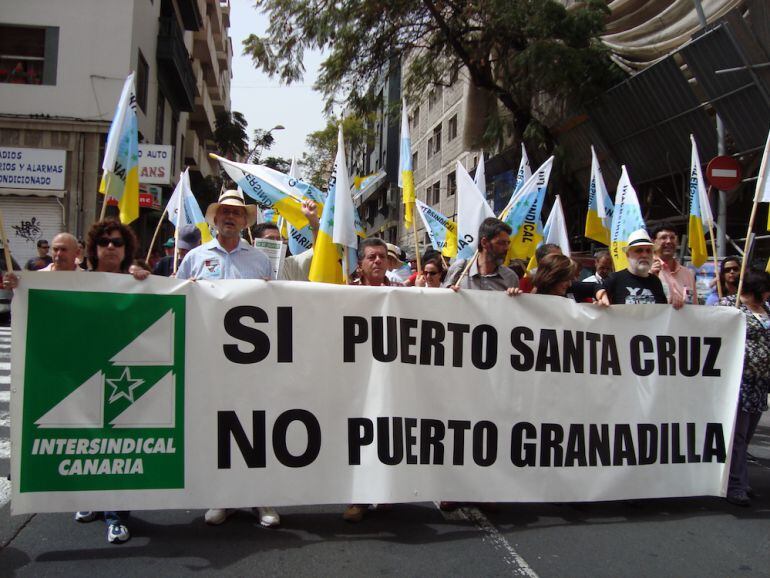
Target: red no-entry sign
pixel 724 173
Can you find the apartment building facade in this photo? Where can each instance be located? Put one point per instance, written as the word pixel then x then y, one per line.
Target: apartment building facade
pixel 62 67
pixel 442 133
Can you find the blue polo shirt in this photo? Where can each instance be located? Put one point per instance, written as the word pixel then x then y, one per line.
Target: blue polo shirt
pixel 211 261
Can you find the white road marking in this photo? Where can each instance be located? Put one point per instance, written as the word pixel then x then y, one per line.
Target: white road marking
pixel 5 419
pixel 5 491
pixel 5 449
pixel 5 396
pixel 5 365
pixel 492 536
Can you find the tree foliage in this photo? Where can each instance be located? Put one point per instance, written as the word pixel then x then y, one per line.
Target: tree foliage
pixel 230 134
pixel 322 145
pixel 520 51
pixel 278 163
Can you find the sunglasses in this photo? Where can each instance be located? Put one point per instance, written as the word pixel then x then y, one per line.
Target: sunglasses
pixel 116 241
pixel 43 247
pixel 732 269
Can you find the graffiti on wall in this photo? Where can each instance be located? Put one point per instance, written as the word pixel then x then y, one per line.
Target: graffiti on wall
pixel 30 230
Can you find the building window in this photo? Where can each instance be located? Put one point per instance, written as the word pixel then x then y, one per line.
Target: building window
pixel 452 129
pixel 434 193
pixel 437 139
pixel 451 184
pixel 160 113
pixel 415 158
pixel 416 117
pixel 28 55
pixel 432 98
pixel 430 147
pixel 142 74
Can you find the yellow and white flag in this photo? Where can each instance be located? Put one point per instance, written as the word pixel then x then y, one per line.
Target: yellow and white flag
pixel 120 179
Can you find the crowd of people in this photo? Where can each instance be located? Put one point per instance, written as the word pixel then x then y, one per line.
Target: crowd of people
pixel 654 275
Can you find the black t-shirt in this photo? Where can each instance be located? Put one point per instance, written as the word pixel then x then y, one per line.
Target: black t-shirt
pixel 165 266
pixel 625 288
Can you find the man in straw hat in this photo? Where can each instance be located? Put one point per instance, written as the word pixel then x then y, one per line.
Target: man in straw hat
pixel 227 256
pixel 635 285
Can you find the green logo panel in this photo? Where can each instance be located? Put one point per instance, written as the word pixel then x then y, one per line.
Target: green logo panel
pixel 103 392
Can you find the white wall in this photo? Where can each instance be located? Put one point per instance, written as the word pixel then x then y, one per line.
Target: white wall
pixel 96 53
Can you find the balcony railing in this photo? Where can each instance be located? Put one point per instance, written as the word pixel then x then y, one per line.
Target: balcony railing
pixel 175 71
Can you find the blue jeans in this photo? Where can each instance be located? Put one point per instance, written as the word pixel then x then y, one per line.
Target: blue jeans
pixel 116 517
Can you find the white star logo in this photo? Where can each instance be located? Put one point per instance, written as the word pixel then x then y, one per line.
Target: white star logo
pixel 123 386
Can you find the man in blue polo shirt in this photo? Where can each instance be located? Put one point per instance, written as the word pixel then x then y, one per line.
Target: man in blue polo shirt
pixel 227 256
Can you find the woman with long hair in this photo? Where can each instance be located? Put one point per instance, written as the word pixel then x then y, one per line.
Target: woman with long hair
pixel 752 400
pixel 555 275
pixel 729 273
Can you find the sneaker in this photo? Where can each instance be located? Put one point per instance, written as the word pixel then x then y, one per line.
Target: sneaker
pixel 355 512
pixel 738 498
pixel 216 516
pixel 268 517
pixel 84 517
pixel 117 534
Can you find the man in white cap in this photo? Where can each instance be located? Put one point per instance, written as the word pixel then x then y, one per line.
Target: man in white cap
pixel 228 256
pixel 635 285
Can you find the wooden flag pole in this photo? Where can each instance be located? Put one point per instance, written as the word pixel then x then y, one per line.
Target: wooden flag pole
pixel 104 208
pixel 155 235
pixel 345 264
pixel 176 251
pixel 416 244
pixel 6 250
pixel 761 180
pixel 716 261
pixel 467 268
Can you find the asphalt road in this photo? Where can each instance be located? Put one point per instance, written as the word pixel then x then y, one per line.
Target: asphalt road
pixel 672 537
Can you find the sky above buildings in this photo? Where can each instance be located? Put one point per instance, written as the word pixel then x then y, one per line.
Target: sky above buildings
pixel 265 102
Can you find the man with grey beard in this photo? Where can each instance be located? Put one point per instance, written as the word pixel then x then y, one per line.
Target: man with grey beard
pixel 635 285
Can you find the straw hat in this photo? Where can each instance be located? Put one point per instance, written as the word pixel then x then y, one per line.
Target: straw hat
pixel 232 198
pixel 638 238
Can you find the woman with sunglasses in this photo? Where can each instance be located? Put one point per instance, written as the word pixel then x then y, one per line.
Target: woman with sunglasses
pixel 432 275
pixel 729 273
pixel 110 248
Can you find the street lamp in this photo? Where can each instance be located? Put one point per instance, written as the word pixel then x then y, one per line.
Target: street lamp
pixel 263 139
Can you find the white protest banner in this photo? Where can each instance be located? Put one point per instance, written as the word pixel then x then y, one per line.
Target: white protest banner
pixel 171 394
pixel 275 251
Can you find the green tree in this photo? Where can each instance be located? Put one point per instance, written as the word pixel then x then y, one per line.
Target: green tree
pixel 322 145
pixel 230 134
pixel 278 164
pixel 523 53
